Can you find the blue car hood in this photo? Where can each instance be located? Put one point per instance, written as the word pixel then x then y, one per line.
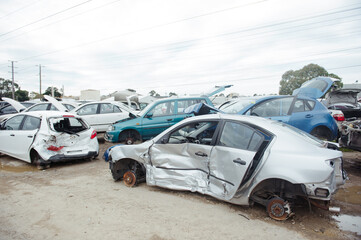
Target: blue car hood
pixel 315 88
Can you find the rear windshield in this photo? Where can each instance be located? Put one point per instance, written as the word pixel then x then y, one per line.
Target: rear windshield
pixel 237 106
pixel 317 83
pixel 69 125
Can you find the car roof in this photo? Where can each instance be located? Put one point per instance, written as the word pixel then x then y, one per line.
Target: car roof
pixel 46 113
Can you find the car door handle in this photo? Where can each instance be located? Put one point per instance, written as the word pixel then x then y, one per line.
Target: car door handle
pixel 309 116
pixel 201 154
pixel 12 135
pixel 239 161
pixel 30 136
pixel 169 119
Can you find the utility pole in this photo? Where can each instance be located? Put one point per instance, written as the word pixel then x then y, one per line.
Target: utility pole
pixel 40 78
pixel 12 79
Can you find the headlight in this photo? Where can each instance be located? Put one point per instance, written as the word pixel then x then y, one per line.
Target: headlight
pixel 111 128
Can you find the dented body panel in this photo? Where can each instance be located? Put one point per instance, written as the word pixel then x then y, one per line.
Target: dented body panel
pixel 211 159
pixel 51 144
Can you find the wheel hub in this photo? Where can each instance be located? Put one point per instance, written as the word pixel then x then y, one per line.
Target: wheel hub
pixel 129 179
pixel 278 209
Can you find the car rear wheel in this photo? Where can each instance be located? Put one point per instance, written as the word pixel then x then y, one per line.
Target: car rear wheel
pixel 322 133
pixel 38 161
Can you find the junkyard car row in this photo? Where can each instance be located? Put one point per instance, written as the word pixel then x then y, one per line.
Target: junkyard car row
pixel 234 158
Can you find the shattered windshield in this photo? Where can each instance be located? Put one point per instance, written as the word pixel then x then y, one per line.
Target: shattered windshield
pixel 69 125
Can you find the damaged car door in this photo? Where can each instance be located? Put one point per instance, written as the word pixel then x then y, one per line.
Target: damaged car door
pixel 17 134
pixel 231 158
pixel 180 160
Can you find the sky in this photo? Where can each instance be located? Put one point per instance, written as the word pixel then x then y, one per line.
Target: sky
pixel 180 46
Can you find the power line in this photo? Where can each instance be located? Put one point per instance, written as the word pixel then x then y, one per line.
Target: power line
pixel 44 18
pixel 61 20
pixel 186 19
pixel 15 11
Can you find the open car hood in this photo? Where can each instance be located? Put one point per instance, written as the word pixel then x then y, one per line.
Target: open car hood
pixel 315 88
pixel 344 95
pixel 18 106
pixel 56 103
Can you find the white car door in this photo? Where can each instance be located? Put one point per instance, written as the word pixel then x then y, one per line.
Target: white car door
pixel 109 114
pixel 89 113
pixel 17 135
pixel 231 158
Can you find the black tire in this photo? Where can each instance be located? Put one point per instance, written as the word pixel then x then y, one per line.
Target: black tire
pixel 129 137
pixel 322 133
pixel 38 161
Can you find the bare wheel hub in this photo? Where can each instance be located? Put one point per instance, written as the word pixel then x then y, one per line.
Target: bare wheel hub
pixel 129 179
pixel 278 209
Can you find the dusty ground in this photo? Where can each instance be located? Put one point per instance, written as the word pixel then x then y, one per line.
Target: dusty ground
pixel 80 200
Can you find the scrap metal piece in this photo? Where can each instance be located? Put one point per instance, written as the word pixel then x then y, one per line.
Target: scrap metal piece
pixel 278 209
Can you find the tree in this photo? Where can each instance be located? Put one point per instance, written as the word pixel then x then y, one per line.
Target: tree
pixel 56 92
pixel 292 80
pixel 21 95
pixel 6 88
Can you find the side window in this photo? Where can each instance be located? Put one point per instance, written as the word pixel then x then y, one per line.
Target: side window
pixel 31 123
pixel 8 109
pixel 183 104
pixel 236 135
pixel 39 107
pixel 106 108
pixel 195 132
pixel 68 106
pixel 53 108
pixel 163 109
pixel 14 123
pixel 272 108
pixel 116 109
pixel 299 106
pixel 309 105
pixel 88 109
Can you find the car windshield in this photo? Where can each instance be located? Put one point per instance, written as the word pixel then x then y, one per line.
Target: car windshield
pixel 66 124
pixel 145 110
pixel 237 106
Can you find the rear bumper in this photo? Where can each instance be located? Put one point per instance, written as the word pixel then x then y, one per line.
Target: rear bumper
pixel 65 158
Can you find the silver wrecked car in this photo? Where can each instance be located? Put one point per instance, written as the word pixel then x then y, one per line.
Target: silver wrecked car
pixel 238 159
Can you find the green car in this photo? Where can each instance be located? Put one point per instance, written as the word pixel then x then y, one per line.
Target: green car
pixel 152 120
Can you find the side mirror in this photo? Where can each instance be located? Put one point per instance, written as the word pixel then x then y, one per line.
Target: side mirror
pixel 149 115
pixel 164 140
pixel 22 109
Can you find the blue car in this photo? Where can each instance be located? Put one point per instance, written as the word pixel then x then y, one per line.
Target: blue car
pixel 152 120
pixel 301 110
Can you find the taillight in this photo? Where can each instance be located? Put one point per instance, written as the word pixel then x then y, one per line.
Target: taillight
pixel 94 134
pixel 339 117
pixel 55 149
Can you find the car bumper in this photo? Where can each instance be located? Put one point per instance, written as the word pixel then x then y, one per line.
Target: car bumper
pixel 65 158
pixel 110 137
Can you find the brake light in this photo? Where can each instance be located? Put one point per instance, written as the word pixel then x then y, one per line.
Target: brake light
pixel 339 117
pixel 55 149
pixel 68 116
pixel 94 134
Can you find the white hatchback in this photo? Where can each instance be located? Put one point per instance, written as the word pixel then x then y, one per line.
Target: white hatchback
pixel 43 137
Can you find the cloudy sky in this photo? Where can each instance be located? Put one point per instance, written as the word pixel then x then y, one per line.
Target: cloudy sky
pixel 182 46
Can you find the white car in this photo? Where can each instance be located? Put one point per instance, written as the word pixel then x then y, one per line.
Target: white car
pixel 100 115
pixel 238 159
pixel 42 137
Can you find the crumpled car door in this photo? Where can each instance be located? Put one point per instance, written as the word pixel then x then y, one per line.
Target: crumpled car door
pixel 231 157
pixel 180 166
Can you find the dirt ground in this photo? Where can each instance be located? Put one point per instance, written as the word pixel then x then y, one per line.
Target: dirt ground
pixel 80 200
